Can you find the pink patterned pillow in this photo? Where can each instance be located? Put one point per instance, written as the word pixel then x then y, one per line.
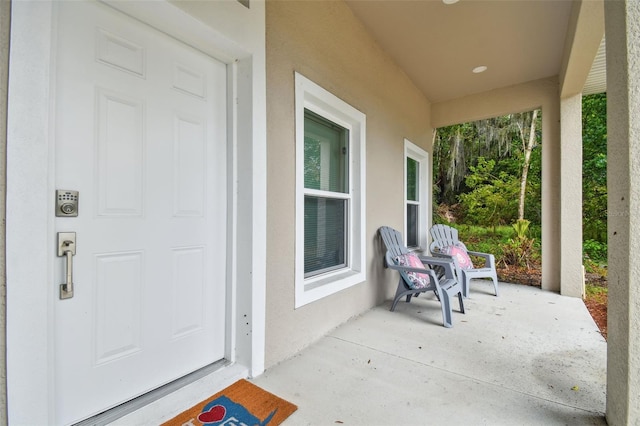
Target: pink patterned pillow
pixel 461 256
pixel 415 280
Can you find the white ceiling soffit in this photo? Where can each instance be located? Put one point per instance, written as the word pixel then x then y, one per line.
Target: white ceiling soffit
pixel 438 45
pixel 597 80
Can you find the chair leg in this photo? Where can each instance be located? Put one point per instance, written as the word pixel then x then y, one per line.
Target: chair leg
pixel 466 283
pixel 445 302
pixel 495 282
pixel 402 291
pixel 398 296
pixel 461 302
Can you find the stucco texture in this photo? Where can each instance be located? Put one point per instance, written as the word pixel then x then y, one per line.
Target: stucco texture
pixel 5 13
pixel 324 42
pixel 623 181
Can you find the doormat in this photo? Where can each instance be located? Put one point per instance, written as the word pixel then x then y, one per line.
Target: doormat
pixel 241 403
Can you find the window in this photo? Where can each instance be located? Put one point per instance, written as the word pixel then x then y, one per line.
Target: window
pixel 326 198
pixel 330 222
pixel 413 202
pixel 416 196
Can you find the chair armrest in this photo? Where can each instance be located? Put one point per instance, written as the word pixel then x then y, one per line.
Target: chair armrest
pixel 448 263
pixel 429 272
pixel 489 259
pixel 434 283
pixel 438 254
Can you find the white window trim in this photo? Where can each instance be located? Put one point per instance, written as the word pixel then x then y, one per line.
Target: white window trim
pixel 309 95
pixel 418 154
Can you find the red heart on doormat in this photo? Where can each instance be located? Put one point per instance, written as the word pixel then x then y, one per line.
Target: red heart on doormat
pixel 215 414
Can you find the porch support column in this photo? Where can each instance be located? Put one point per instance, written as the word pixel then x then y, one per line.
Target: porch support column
pixel 571 274
pixel 5 26
pixel 622 23
pixel 551 194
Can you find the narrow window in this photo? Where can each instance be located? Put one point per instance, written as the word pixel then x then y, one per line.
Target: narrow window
pixel 330 193
pixel 413 203
pixel 416 196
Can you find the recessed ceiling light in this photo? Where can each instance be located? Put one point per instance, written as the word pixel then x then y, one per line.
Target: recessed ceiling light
pixel 478 70
pixel 450 1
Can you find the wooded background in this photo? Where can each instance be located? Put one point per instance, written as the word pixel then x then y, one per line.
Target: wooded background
pixel 488 173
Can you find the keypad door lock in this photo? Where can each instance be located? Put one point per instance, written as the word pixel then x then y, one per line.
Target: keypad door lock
pixel 66 203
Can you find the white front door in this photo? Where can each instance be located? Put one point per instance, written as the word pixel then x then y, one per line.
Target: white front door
pixel 140 132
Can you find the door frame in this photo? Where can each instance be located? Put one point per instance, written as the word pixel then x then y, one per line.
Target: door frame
pixel 31 291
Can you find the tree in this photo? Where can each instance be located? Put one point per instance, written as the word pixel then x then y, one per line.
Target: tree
pixel 527 159
pixel 509 141
pixel 492 200
pixel 594 167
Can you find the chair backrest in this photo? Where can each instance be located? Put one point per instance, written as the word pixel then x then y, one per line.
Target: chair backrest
pixel 393 241
pixel 443 236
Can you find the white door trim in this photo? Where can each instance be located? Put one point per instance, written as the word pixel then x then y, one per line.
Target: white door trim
pixel 30 287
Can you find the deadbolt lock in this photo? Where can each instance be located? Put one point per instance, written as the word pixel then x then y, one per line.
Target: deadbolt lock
pixel 66 203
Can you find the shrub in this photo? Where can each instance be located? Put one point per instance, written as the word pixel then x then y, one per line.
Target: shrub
pixel 493 196
pixel 595 251
pixel 519 251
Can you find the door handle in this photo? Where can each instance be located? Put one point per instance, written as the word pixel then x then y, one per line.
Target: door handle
pixel 67 249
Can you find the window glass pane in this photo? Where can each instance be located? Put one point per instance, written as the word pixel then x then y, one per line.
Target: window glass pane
pixel 412 225
pixel 326 154
pixel 413 174
pixel 325 236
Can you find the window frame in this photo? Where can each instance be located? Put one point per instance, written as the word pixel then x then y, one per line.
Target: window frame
pixel 312 97
pixel 421 156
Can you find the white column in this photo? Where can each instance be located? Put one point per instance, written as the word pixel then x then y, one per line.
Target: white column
pixel 571 275
pixel 622 22
pixel 551 195
pixel 5 21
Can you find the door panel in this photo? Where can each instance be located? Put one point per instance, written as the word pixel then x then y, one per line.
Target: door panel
pixel 140 132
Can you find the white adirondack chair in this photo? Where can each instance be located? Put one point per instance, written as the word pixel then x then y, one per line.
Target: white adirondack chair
pixel 444 238
pixel 417 277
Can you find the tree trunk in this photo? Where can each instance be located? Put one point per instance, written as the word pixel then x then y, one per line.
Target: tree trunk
pixel 527 161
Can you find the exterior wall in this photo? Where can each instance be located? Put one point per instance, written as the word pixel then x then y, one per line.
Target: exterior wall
pixel 622 20
pixel 524 97
pixel 324 42
pixel 5 20
pixel 226 30
pixel 243 37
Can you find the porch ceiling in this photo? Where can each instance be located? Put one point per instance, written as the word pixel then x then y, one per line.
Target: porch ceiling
pixel 438 45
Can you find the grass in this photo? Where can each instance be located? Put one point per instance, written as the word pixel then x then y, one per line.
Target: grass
pixel 493 239
pixel 486 240
pixel 596 292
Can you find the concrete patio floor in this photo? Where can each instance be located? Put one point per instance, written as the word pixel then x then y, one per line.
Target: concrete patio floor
pixel 527 357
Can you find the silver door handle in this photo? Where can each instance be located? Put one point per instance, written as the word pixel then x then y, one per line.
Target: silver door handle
pixel 67 248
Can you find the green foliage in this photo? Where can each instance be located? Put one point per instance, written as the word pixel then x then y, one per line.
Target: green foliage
pixel 594 291
pixel 503 242
pixel 521 226
pixel 460 169
pixel 485 239
pixel 595 251
pixel 594 167
pixel 479 166
pixel 520 251
pixel 493 199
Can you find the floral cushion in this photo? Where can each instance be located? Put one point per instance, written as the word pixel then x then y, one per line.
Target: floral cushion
pixel 415 280
pixel 460 253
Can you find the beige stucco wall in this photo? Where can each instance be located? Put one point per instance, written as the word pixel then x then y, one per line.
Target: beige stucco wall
pixel 524 97
pixel 622 21
pixel 571 273
pixel 325 43
pixel 5 19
